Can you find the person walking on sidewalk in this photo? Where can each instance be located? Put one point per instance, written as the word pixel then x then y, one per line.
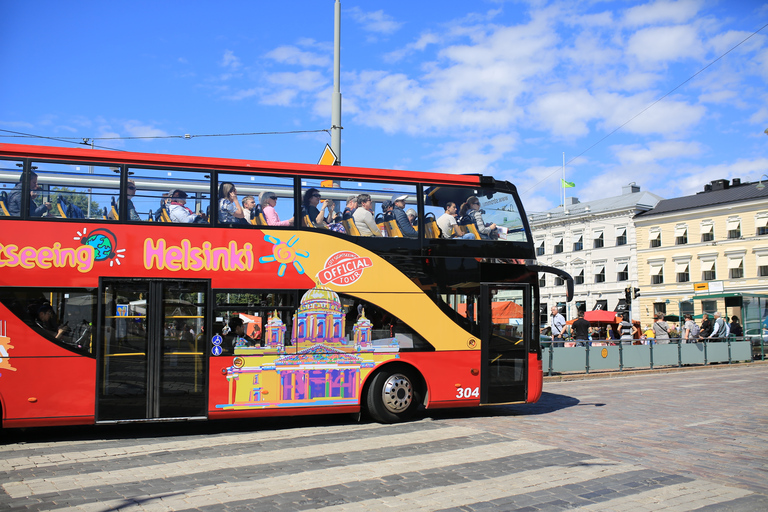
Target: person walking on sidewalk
pixel 661 329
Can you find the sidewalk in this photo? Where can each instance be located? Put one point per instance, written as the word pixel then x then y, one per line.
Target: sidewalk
pixel 609 374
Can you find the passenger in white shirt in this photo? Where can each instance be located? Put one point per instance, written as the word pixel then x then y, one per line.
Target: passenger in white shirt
pixel 448 225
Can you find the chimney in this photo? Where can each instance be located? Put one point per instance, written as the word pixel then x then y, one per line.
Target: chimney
pixel 736 182
pixel 630 189
pixel 719 185
pixel 571 201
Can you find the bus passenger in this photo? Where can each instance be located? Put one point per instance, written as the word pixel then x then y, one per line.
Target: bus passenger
pixel 448 225
pixel 130 191
pixel 411 214
pixel 14 199
pixel 237 330
pixel 249 202
pixel 472 208
pixel 363 217
pixel 229 207
pixel 386 208
pixel 177 210
pixel 46 320
pixel 268 201
pixel 351 207
pixel 398 200
pixel 319 217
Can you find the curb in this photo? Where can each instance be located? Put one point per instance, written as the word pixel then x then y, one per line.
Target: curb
pixel 567 377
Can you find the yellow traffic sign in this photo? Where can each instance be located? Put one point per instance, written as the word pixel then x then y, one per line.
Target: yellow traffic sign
pixel 329 157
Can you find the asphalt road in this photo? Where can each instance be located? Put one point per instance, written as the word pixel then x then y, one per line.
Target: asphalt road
pixel 694 440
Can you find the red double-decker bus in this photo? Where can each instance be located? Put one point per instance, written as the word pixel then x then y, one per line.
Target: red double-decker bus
pixel 143 287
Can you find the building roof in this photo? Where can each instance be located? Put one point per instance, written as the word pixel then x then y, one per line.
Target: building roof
pixel 641 200
pixel 709 197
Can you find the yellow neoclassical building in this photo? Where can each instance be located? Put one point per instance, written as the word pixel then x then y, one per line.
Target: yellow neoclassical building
pixel 706 252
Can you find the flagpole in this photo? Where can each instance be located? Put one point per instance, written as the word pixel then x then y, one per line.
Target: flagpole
pixel 563 184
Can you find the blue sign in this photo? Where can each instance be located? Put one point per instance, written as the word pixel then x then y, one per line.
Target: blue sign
pixel 216 350
pixel 216 340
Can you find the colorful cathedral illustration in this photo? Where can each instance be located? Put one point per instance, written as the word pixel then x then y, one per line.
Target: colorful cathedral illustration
pixel 320 366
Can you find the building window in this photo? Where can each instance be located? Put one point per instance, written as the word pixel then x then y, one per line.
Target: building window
pixel 578 243
pixel 543 314
pixel 601 305
pixel 762 271
pixel 581 306
pixel 600 275
pixel 579 277
pixel 559 281
pixel 657 273
pixel 598 241
pixel 540 248
pixel 686 308
pixel 681 235
pixel 656 238
pixel 543 281
pixel 734 228
pixel 735 268
pixel 681 270
pixel 622 272
pixel 657 279
pixel 559 245
pixel 708 306
pixel 660 307
pixel 707 232
pixel 761 224
pixel 621 236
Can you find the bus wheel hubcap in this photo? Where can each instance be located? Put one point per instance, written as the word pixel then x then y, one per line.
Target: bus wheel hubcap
pixel 397 393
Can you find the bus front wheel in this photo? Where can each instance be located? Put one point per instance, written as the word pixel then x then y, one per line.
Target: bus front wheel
pixel 391 396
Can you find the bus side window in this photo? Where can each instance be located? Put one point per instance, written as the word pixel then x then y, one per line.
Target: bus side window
pixel 262 200
pixel 151 197
pixel 73 191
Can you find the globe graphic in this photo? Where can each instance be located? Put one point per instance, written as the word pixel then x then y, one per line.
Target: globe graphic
pixel 102 246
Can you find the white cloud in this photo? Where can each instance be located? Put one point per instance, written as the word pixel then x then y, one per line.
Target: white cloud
pixel 296 56
pixel 375 21
pixel 655 151
pixel 475 155
pixel 662 11
pixel 138 129
pixel 663 44
pixel 230 60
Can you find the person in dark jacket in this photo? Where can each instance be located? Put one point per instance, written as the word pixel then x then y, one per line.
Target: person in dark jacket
pixel 401 218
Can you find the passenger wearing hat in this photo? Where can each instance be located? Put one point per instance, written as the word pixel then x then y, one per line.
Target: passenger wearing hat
pixel 401 218
pixel 386 207
pixel 177 210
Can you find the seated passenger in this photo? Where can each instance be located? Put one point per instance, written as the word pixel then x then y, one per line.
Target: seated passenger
pixel 268 201
pixel 322 217
pixel 248 204
pixel 472 208
pixel 237 331
pixel 351 207
pixel 363 217
pixel 14 199
pixel 46 321
pixel 177 210
pixel 130 191
pixel 230 211
pixel 448 225
pixel 398 200
pixel 411 214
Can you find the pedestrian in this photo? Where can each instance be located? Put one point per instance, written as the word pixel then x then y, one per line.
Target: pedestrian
pixel 690 329
pixel 720 329
pixel 627 330
pixel 706 326
pixel 581 330
pixel 736 329
pixel 557 326
pixel 661 330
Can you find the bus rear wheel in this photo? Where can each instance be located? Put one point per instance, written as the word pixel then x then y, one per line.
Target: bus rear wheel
pixel 391 396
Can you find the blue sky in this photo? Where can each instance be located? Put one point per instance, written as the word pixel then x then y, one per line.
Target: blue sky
pixel 497 87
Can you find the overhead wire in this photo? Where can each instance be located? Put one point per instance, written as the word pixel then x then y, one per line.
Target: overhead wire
pixel 646 108
pixel 185 136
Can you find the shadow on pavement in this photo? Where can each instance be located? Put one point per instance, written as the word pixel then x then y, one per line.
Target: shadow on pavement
pixel 549 402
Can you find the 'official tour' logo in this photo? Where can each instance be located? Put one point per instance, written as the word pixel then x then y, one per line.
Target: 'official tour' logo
pixel 343 268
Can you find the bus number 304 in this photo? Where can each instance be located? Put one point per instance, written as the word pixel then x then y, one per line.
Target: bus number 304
pixel 468 393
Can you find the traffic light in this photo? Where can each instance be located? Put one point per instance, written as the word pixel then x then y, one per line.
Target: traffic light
pixel 636 293
pixel 628 294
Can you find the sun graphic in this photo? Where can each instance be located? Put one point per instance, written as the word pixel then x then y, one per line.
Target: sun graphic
pixel 284 254
pixel 104 244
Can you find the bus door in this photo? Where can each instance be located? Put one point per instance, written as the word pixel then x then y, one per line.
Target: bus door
pixel 504 316
pixel 151 350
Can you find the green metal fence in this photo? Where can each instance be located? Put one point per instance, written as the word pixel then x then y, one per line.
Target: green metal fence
pixel 620 357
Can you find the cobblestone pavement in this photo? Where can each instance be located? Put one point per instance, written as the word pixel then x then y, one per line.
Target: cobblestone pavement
pixel 677 442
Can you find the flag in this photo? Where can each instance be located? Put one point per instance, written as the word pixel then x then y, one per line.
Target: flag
pixel 567 184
